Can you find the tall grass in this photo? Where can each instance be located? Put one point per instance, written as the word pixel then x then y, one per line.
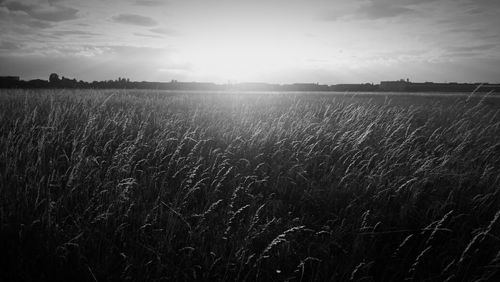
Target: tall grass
pixel 145 186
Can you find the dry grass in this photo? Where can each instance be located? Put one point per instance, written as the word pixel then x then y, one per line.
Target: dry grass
pixel 142 186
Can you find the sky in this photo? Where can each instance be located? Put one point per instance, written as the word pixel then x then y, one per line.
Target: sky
pixel 275 41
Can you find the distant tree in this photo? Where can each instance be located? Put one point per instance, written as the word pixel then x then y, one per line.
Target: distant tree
pixel 53 78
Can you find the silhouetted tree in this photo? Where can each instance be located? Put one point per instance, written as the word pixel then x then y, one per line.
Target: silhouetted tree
pixel 53 78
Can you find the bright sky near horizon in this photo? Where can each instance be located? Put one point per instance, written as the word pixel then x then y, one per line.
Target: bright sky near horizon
pixel 278 41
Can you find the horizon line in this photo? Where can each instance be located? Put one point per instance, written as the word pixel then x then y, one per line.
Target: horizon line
pixel 253 82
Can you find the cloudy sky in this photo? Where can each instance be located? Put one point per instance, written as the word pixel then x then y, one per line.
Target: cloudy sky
pixel 281 41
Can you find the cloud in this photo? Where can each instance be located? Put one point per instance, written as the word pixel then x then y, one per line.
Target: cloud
pixel 481 3
pixel 134 19
pixel 379 10
pixel 150 3
pixel 374 9
pixel 465 54
pixel 92 62
pixel 465 30
pixel 23 19
pixel 64 33
pixel 52 13
pixel 9 46
pixel 332 15
pixel 476 48
pixel 163 31
pixel 486 50
pixel 147 35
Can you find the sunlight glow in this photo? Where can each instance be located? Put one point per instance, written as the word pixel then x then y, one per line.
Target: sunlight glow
pixel 239 60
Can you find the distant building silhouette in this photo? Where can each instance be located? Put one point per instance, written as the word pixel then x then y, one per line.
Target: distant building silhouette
pixel 399 85
pixel 365 87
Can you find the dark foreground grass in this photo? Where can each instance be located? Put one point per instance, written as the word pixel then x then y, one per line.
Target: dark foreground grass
pixel 144 186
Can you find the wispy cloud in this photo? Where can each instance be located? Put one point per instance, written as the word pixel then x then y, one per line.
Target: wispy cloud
pixel 86 62
pixel 9 46
pixel 163 31
pixel 464 30
pixel 150 3
pixel 53 2
pixel 64 33
pixel 147 35
pixel 474 48
pixel 9 17
pixel 134 19
pixel 47 12
pixel 375 9
pixel 383 9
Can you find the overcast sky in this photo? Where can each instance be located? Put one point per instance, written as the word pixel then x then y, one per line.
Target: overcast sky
pixel 278 41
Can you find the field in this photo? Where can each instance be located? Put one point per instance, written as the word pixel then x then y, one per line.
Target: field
pixel 154 186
